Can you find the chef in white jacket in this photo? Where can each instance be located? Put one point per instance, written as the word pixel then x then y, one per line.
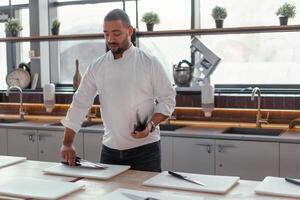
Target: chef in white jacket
pixel 135 96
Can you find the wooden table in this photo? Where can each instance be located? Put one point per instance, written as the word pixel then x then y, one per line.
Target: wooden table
pixel 130 179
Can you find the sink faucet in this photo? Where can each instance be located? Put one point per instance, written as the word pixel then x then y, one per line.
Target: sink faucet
pixel 259 120
pixel 21 109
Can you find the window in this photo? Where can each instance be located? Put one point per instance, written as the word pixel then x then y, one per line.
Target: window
pixel 88 19
pixel 265 58
pixel 3 64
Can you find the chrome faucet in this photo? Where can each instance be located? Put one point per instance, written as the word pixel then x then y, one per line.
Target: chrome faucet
pixel 21 109
pixel 259 120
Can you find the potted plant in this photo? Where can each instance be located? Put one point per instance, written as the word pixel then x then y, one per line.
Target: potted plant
pixel 55 27
pixel 285 12
pixel 150 18
pixel 13 27
pixel 219 14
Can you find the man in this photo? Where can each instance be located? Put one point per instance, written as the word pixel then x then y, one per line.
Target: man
pixel 135 96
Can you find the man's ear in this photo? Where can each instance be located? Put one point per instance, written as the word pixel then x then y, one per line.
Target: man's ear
pixel 130 30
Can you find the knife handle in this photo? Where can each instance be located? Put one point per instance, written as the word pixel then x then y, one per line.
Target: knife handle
pixel 292 181
pixel 176 175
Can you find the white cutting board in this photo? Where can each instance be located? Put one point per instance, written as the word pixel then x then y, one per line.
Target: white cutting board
pixel 214 184
pixel 107 173
pixel 27 187
pixel 121 194
pixel 10 160
pixel 278 186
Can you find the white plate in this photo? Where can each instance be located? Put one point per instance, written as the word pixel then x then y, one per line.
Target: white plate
pixel 277 186
pixel 214 184
pixel 107 173
pixel 10 160
pixel 26 187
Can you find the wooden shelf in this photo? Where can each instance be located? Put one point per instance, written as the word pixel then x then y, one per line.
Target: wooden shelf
pixel 209 31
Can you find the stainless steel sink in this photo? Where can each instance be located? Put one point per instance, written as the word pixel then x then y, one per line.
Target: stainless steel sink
pixel 170 127
pixel 84 124
pixel 253 131
pixel 11 120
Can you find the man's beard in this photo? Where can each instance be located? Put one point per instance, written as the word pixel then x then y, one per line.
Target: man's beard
pixel 118 51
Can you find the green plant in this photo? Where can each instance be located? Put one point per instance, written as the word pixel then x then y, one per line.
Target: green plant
pixel 13 26
pixel 286 10
pixel 219 13
pixel 151 18
pixel 55 23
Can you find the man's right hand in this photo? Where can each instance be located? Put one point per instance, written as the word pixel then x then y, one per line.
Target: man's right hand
pixel 68 154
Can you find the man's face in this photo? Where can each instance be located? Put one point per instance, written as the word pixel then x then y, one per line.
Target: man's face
pixel 117 36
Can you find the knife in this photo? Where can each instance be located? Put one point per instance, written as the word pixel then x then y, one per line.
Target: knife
pixel 291 180
pixel 136 197
pixel 185 178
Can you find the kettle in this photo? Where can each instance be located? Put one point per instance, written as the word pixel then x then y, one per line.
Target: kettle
pixel 183 73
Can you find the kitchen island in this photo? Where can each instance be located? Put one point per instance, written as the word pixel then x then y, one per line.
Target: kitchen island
pixel 131 179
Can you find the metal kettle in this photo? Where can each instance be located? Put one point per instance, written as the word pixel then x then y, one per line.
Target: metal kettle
pixel 183 73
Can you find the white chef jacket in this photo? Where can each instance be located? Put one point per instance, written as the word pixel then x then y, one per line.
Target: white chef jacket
pixel 135 84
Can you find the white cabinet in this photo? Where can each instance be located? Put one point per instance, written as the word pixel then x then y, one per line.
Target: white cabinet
pixel 3 141
pixel 290 160
pixel 193 155
pixel 166 153
pixel 49 143
pixel 92 146
pixel 22 143
pixel 247 159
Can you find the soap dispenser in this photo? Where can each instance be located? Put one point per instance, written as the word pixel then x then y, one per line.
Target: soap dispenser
pixel 207 98
pixel 49 96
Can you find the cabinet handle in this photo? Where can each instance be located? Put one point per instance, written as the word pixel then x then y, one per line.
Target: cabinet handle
pixel 31 137
pixel 208 147
pixel 223 146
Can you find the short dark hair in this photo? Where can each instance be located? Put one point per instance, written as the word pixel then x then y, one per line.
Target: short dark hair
pixel 118 14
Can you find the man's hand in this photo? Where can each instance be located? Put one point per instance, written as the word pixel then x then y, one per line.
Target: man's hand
pixel 68 153
pixel 142 134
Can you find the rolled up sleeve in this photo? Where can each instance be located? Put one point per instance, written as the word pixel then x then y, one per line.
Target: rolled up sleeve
pixel 164 92
pixel 82 101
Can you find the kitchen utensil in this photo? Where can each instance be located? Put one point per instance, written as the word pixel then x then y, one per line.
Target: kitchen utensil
pixel 183 73
pixel 185 178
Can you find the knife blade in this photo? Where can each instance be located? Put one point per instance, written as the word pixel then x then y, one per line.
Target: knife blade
pixel 291 180
pixel 136 197
pixel 177 175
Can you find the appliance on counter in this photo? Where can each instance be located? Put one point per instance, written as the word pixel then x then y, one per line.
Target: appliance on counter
pixel 198 76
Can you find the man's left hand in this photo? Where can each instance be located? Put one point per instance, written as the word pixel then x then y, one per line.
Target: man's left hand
pixel 142 134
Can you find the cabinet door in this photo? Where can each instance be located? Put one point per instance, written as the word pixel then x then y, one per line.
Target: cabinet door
pixel 289 160
pixel 166 153
pixel 22 143
pixel 247 159
pixel 50 142
pixel 3 141
pixel 92 146
pixel 193 155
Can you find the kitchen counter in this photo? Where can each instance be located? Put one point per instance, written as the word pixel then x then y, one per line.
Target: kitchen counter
pixel 209 130
pixel 130 179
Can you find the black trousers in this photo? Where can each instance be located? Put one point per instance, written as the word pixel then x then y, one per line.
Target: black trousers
pixel 144 158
